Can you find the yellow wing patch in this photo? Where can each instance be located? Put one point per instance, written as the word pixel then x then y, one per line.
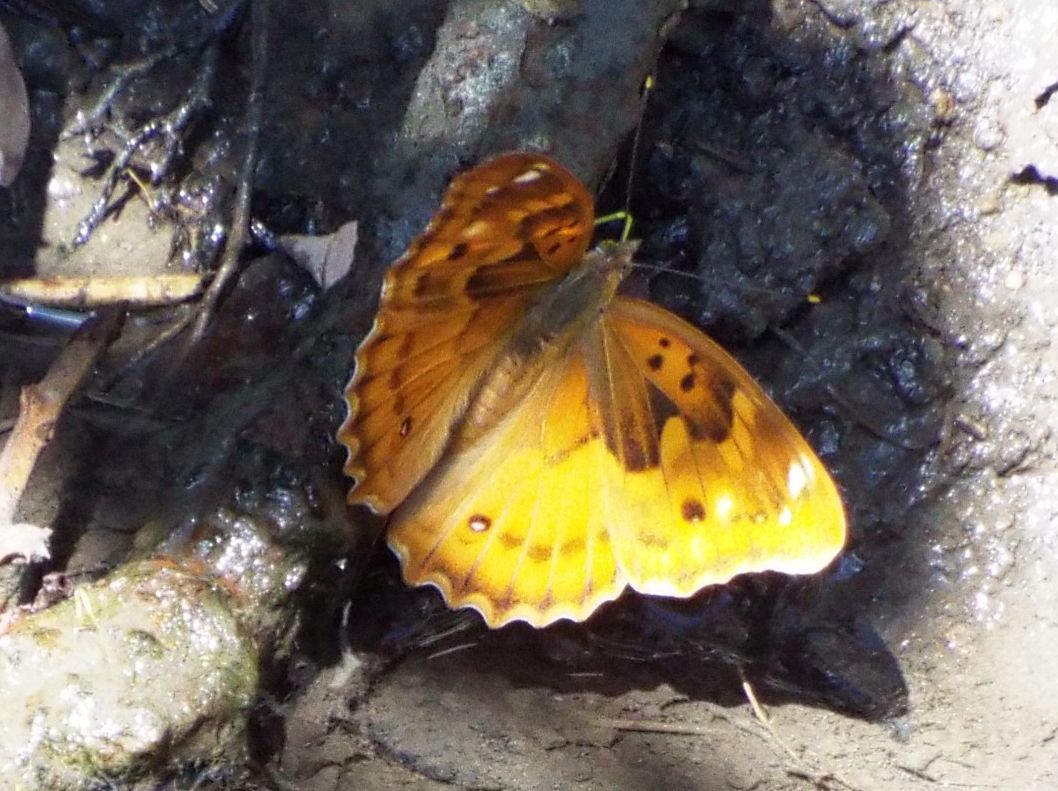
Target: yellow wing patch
pixel 514 526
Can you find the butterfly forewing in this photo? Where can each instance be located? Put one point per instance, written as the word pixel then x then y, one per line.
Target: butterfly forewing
pixel 505 230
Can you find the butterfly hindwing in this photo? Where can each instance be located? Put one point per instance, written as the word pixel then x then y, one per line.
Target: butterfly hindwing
pixel 514 525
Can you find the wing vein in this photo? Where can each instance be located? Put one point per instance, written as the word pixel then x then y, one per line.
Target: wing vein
pixel 531 524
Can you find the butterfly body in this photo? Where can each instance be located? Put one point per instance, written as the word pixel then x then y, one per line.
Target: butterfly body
pixel 540 442
pixel 559 318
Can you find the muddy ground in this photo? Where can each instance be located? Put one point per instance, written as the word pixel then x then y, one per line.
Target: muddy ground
pixel 865 193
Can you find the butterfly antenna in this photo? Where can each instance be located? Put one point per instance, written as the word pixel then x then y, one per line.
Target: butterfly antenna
pixel 668 270
pixel 644 96
pixel 625 214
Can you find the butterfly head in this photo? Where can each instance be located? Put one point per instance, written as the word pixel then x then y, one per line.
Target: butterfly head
pixel 610 260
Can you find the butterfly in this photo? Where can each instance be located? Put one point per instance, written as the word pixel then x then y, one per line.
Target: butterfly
pixel 540 443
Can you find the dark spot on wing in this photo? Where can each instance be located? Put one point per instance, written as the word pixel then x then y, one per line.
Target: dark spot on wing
pixel 538 553
pixel 511 541
pixel 407 343
pixel 571 547
pixel 655 361
pixel 557 220
pixel 638 454
pixel 711 418
pixel 687 383
pixel 428 287
pixel 563 453
pixel 507 276
pixel 692 510
pixel 653 540
pixel 458 251
pixel 636 446
pixel 722 387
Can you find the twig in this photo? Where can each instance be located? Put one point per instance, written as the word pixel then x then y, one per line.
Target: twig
pixel 683 729
pixel 655 726
pixel 803 770
pixel 40 406
pixel 765 720
pixel 160 340
pixel 83 292
pixel 121 75
pixel 240 224
pixel 451 650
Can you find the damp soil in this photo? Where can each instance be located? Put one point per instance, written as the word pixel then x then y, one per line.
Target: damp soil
pixel 856 199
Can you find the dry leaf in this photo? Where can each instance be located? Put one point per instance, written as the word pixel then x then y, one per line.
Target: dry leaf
pixel 326 258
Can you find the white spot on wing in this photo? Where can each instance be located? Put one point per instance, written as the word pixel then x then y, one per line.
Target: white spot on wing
pixel 785 517
pixel 475 229
pixel 724 506
pixel 796 479
pixel 528 177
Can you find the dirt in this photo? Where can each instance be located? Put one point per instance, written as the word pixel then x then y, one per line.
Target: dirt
pixel 864 193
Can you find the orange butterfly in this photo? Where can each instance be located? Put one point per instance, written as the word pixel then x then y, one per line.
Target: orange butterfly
pixel 541 443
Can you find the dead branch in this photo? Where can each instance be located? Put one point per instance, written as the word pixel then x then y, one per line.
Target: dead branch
pixel 86 292
pixel 240 223
pixel 40 406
